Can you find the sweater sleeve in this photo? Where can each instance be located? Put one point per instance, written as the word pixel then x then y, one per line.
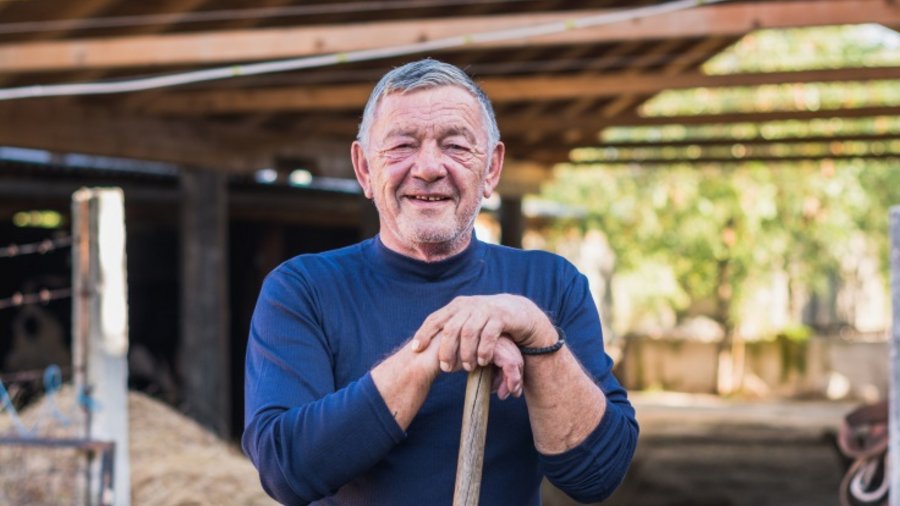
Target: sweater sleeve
pixel 305 438
pixel 591 471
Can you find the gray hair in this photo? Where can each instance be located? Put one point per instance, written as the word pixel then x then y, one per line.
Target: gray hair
pixel 422 74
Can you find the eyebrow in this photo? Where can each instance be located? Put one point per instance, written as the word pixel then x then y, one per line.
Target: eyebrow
pixel 444 133
pixel 397 132
pixel 457 130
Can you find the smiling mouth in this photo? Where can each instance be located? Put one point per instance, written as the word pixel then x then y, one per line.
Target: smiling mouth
pixel 427 198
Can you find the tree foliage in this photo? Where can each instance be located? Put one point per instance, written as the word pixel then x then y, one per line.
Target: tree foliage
pixel 812 48
pixel 720 227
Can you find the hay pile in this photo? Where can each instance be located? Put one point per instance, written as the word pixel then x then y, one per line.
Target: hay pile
pixel 174 461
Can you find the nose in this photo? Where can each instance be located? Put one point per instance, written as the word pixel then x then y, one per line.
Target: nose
pixel 429 164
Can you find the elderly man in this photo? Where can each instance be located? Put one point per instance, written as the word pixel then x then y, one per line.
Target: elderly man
pixel 355 382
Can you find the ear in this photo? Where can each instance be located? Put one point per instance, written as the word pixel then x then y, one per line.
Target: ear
pixel 361 168
pixel 492 178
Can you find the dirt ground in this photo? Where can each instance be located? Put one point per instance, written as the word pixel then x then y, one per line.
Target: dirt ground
pixel 704 451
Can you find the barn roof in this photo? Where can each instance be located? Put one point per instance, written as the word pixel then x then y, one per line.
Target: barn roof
pixel 552 92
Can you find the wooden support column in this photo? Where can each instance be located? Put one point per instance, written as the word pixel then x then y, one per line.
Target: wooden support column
pixel 204 350
pixel 512 222
pixel 369 224
pixel 520 178
pixel 894 412
pixel 100 332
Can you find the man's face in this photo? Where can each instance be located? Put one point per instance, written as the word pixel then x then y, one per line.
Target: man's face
pixel 427 167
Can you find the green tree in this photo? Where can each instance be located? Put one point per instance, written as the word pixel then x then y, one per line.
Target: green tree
pixel 715 227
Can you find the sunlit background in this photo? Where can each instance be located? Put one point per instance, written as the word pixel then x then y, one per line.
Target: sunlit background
pixel 729 233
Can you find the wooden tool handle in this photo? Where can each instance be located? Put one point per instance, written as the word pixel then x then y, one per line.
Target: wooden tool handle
pixel 472 436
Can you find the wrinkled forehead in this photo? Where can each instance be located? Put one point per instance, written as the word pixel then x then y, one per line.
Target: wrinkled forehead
pixel 453 108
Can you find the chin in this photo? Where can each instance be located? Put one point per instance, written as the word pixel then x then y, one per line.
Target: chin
pixel 434 236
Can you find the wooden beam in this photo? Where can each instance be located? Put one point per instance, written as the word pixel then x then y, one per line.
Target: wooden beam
pixel 512 222
pixel 69 10
pixel 511 127
pixel 204 348
pixel 768 159
pixel 183 6
pixel 554 154
pixel 244 45
pixel 54 127
pixel 611 59
pixel 654 56
pixel 330 97
pixel 701 51
pixel 515 126
pixel 500 90
pixel 73 11
pixel 750 142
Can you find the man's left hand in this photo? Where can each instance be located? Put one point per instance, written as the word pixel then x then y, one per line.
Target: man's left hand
pixel 471 326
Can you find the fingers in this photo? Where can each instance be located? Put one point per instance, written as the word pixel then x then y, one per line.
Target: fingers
pixel 510 363
pixel 503 391
pixel 450 343
pixel 490 334
pixel 472 341
pixel 428 330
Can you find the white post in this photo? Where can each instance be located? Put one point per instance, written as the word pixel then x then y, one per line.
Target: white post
pixel 100 327
pixel 894 412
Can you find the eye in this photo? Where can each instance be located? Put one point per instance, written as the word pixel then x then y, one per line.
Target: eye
pixel 400 149
pixel 457 147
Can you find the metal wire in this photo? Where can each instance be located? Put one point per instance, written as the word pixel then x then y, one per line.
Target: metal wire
pixel 43 296
pixel 42 247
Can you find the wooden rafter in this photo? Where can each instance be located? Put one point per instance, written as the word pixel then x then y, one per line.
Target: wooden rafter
pixel 626 100
pixel 721 160
pixel 535 110
pixel 69 10
pixel 610 58
pixel 697 54
pixel 515 126
pixel 677 65
pixel 754 142
pixel 512 128
pixel 171 6
pixel 512 89
pixel 733 19
pixel 257 121
pixel 67 128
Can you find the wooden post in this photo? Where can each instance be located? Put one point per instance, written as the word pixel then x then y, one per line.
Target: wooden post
pixel 100 328
pixel 894 414
pixel 472 437
pixel 512 221
pixel 369 224
pixel 204 349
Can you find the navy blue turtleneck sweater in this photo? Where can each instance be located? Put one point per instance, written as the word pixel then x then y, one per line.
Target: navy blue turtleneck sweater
pixel 316 427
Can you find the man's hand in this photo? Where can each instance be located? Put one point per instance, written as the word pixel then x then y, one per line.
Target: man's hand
pixel 510 364
pixel 470 329
pixel 565 404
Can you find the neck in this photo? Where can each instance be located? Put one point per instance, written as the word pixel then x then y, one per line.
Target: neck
pixel 430 252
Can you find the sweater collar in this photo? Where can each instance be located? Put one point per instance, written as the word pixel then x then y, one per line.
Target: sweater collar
pixel 394 264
